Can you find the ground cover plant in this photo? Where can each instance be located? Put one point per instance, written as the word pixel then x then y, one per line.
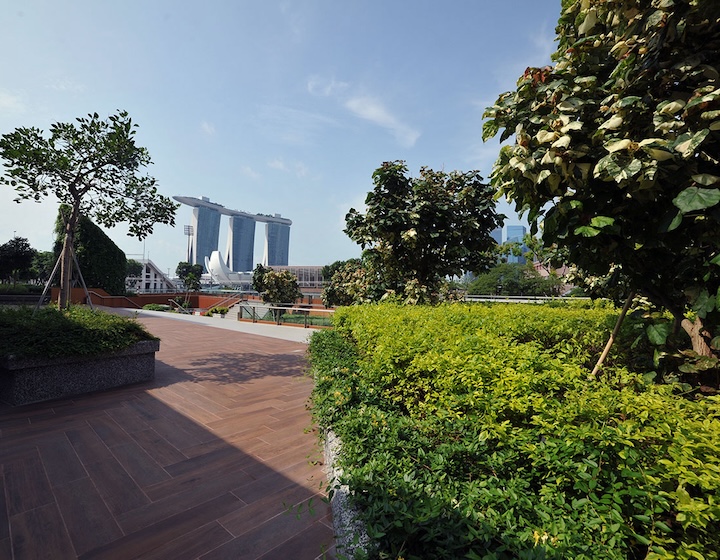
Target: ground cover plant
pixel 476 431
pixel 77 331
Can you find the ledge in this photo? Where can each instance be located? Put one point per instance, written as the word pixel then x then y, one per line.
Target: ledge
pixel 26 380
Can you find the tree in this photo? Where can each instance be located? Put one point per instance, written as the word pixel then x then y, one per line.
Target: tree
pixel 16 258
pixel 258 282
pixel 274 286
pixel 418 231
pixel 102 262
pixel 351 283
pixel 190 275
pixel 93 166
pixel 279 288
pixel 329 270
pixel 515 279
pixel 134 268
pixel 43 264
pixel 616 151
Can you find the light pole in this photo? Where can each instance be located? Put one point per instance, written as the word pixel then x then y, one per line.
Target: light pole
pixel 189 232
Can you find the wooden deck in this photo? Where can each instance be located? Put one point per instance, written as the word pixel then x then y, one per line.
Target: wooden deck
pixel 216 459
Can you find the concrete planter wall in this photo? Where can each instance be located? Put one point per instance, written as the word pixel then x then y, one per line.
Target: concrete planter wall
pixel 25 380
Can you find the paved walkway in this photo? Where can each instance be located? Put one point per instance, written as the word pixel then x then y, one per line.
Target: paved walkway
pixel 215 459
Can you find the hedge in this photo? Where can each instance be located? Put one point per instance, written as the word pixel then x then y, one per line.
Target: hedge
pixel 475 431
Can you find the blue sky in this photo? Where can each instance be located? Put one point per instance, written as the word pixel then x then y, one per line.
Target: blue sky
pixel 268 106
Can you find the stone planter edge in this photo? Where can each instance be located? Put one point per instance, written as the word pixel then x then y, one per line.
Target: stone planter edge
pixel 31 379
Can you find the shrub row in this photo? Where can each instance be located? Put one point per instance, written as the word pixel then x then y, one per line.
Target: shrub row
pixel 475 432
pixel 77 331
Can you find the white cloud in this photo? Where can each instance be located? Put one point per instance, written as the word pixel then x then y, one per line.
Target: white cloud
pixel 277 164
pixel 291 126
pixel 11 103
pixel 249 172
pixel 325 87
pixel 67 85
pixel 207 128
pixel 373 110
pixel 298 168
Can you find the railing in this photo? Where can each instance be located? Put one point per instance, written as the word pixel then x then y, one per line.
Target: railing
pixel 519 299
pixel 226 302
pixel 102 297
pixel 179 307
pixel 286 315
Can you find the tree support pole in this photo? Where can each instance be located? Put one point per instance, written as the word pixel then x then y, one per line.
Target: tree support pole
pixel 614 334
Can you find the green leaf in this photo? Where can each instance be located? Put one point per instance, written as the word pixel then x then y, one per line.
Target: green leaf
pixel 706 179
pixel 686 143
pixel 675 223
pixel 658 333
pixel 587 231
pixel 696 198
pixel 601 222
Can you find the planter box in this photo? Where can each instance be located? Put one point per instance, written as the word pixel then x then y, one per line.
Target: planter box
pixel 25 380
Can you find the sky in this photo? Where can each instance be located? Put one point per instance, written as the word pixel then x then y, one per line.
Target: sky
pixel 268 106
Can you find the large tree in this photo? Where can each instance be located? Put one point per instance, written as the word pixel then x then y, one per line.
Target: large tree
pixel 92 165
pixel 418 231
pixel 102 263
pixel 276 287
pixel 16 259
pixel 617 146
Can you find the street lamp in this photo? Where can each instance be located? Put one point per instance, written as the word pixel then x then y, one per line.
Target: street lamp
pixel 189 232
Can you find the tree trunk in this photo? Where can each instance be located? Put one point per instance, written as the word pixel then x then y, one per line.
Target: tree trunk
pixel 67 261
pixel 699 336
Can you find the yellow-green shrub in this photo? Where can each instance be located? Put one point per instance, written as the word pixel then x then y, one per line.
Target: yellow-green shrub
pixel 475 432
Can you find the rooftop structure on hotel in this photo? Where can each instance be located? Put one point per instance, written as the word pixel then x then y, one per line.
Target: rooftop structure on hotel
pixel 203 235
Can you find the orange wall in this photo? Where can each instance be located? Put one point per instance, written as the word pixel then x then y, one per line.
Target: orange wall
pixel 197 300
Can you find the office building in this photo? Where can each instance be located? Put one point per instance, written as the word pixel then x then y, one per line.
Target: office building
pixel 516 234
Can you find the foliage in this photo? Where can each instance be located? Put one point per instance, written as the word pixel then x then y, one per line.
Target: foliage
pixel 20 289
pixel 102 263
pixel 418 231
pixel 275 287
pixel 303 319
pixel 78 330
pixel 190 275
pixel 156 307
pixel 134 268
pixel 616 150
pixel 353 282
pixel 329 270
pixel 258 282
pixel 220 310
pixel 93 166
pixel 514 279
pixel 474 432
pixel 43 265
pixel 16 258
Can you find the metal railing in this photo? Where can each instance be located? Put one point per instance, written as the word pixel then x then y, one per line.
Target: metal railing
pixel 519 299
pixel 286 315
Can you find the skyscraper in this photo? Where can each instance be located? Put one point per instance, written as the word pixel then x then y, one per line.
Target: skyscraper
pixel 205 232
pixel 277 244
pixel 206 224
pixel 240 243
pixel 515 234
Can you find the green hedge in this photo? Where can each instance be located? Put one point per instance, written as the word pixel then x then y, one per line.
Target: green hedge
pixel 474 431
pixel 77 331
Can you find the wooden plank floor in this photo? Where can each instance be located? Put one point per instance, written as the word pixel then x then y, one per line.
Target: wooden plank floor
pixel 215 459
